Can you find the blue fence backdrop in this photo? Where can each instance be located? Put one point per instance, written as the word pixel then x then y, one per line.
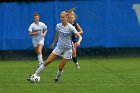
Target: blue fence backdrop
pixel 106 23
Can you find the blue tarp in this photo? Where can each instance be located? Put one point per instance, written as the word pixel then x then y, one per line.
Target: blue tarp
pixel 106 23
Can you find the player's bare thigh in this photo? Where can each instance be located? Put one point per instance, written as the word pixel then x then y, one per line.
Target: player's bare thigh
pixel 51 57
pixel 38 49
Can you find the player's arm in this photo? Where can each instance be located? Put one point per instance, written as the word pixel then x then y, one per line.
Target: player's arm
pixel 79 39
pixel 44 33
pixel 34 33
pixel 54 40
pixel 80 31
pixel 31 33
pixel 77 33
pixel 45 30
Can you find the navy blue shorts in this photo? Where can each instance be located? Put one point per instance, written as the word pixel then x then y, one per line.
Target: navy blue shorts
pixel 74 39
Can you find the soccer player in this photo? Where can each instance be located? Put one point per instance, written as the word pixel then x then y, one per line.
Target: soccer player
pixel 64 31
pixel 38 31
pixel 71 19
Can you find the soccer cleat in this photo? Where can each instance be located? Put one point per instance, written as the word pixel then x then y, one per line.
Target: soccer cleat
pixel 78 66
pixel 29 78
pixel 56 79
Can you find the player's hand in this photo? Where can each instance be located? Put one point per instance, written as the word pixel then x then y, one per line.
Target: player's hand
pixel 52 46
pixel 43 34
pixel 38 32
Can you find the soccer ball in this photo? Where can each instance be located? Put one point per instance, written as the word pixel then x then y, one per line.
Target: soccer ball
pixel 34 78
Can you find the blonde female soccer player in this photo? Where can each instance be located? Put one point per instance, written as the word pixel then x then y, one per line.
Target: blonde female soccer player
pixel 71 19
pixel 38 31
pixel 64 31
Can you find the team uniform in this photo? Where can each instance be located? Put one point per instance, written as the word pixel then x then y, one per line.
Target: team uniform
pixel 64 44
pixel 37 39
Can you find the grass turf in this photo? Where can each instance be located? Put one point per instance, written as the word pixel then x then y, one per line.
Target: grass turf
pixel 96 75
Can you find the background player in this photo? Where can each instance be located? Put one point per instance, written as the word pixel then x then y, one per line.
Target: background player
pixel 38 31
pixel 71 19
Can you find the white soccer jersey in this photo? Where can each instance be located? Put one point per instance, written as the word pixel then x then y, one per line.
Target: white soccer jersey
pixel 40 27
pixel 37 39
pixel 64 36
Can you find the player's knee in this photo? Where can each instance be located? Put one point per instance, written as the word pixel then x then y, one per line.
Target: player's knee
pixel 39 53
pixel 74 51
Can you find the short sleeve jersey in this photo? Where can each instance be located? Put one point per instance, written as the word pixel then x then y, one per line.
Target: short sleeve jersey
pixel 65 36
pixel 40 27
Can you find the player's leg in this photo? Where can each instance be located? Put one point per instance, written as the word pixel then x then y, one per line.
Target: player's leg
pixel 39 53
pixel 60 70
pixel 74 58
pixel 35 44
pixel 67 55
pixel 40 43
pixel 51 57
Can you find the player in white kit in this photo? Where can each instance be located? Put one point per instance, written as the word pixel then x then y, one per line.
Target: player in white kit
pixel 64 31
pixel 38 31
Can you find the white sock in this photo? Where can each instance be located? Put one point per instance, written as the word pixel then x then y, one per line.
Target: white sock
pixel 40 60
pixel 58 74
pixel 76 63
pixel 39 69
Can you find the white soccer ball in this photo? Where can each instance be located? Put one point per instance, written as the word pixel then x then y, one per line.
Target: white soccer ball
pixel 35 78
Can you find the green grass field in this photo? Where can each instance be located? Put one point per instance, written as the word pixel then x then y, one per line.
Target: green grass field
pixel 96 75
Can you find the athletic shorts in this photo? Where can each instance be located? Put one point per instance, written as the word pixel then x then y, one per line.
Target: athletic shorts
pixel 65 53
pixel 37 41
pixel 73 39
